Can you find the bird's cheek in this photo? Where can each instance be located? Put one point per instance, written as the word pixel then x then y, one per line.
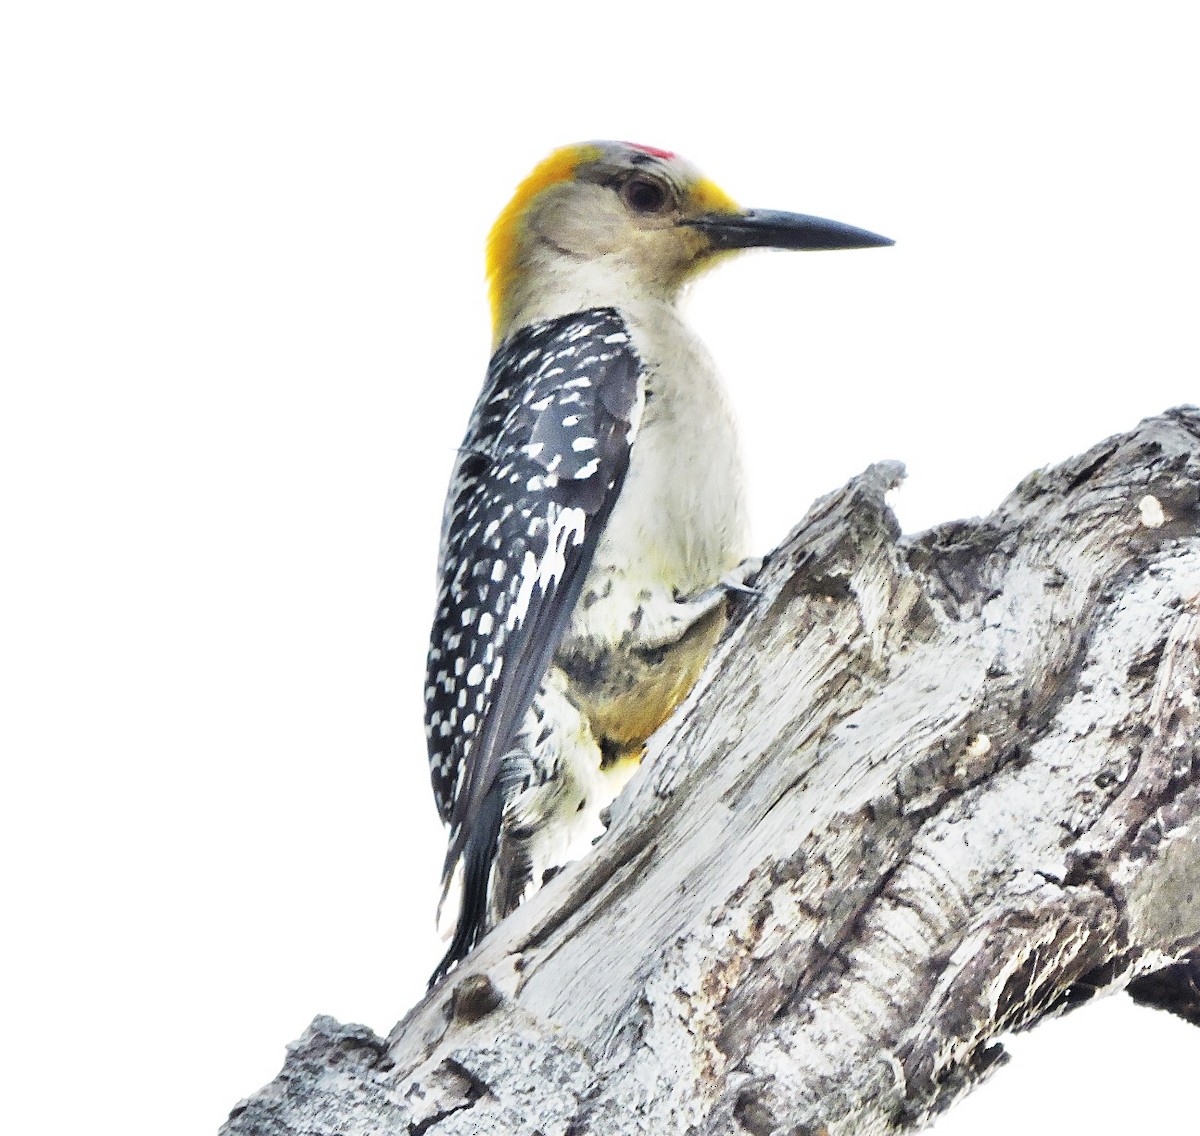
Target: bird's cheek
pixel 567 229
pixel 695 252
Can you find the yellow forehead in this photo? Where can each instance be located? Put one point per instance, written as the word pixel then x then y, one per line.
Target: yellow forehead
pixel 708 197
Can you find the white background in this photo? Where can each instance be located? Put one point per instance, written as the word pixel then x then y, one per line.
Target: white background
pixel 242 323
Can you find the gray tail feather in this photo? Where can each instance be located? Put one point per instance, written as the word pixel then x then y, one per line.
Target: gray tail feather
pixel 479 853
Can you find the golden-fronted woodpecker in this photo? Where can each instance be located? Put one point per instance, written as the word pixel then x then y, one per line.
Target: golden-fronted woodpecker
pixel 595 517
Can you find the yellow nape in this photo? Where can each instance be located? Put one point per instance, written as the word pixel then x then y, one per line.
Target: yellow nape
pixel 502 240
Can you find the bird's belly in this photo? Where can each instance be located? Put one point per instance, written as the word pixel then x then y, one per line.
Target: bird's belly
pixel 627 691
pixel 677 527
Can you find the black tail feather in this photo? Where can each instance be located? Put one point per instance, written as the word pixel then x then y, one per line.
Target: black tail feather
pixel 478 854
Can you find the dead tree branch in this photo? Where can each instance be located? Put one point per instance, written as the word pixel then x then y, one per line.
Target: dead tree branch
pixel 930 790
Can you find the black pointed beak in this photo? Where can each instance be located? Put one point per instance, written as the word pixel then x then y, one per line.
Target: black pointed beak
pixel 768 228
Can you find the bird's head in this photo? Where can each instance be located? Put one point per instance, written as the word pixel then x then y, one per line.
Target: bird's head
pixel 633 219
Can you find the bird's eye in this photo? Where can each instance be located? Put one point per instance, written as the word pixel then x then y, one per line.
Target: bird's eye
pixel 645 195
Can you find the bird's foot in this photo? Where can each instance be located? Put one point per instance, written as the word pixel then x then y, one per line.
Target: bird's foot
pixel 735 579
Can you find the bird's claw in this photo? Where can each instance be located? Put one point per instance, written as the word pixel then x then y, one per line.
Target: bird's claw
pixel 735 580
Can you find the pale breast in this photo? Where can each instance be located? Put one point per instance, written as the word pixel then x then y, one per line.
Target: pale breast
pixel 680 522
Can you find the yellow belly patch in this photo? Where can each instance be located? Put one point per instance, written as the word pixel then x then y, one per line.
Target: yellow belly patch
pixel 634 695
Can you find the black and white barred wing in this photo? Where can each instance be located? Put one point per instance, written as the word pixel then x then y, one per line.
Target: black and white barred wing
pixel 537 477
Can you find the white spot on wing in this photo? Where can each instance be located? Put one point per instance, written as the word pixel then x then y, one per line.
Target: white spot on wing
pixel 566 527
pixel 529 573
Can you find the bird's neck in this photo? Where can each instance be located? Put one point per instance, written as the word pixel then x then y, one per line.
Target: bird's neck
pixel 550 285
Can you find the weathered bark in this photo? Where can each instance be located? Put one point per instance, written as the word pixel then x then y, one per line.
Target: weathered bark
pixel 930 790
